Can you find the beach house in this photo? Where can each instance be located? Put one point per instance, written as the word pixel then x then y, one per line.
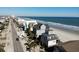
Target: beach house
pixel 39 29
pixel 48 40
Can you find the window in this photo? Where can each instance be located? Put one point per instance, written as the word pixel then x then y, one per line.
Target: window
pixel 49 37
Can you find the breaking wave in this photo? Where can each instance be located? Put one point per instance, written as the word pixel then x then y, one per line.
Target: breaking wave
pixel 59 25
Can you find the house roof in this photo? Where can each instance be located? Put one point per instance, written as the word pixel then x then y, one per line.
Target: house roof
pixel 51 36
pixel 37 26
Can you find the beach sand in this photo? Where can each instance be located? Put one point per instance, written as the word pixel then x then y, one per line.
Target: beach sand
pixel 71 46
pixel 69 39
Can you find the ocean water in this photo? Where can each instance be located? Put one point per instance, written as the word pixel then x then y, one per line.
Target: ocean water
pixel 65 23
pixel 74 21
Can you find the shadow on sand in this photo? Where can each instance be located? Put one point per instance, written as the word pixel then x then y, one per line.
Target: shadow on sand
pixel 55 49
pixel 71 46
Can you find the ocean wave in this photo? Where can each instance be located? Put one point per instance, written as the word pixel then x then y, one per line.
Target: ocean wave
pixel 59 25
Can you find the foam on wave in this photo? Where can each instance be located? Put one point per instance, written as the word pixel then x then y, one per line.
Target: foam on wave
pixel 58 25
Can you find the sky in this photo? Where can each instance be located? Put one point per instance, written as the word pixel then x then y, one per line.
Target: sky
pixel 41 11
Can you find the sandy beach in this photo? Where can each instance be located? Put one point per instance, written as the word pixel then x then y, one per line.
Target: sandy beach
pixel 70 40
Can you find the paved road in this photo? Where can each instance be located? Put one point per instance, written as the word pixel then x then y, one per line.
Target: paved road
pixel 16 44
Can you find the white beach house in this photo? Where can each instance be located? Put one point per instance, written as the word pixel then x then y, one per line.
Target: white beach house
pixel 30 21
pixel 26 22
pixel 41 30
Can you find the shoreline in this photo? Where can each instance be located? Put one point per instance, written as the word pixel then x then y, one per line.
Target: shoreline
pixel 65 36
pixel 70 40
pixel 63 33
